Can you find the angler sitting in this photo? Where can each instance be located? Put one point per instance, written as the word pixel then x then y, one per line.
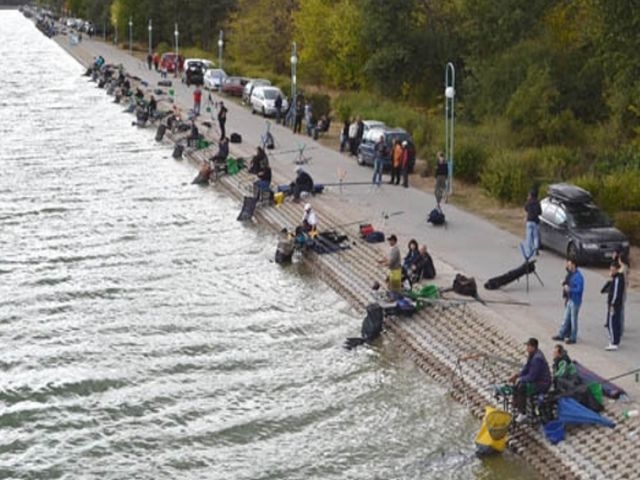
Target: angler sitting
pixel 259 161
pixel 194 134
pixel 263 183
pixel 302 183
pixel 152 106
pixel 310 220
pixel 565 373
pixel 534 378
pixel 422 267
pixel 223 151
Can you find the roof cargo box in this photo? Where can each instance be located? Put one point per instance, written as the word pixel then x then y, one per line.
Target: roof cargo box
pixel 569 193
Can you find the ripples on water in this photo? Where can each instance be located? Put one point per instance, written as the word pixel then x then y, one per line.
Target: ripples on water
pixel 146 334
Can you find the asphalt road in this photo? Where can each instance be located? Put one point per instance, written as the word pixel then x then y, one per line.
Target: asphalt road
pixel 468 244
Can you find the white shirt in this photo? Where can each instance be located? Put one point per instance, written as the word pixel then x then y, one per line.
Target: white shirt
pixel 310 217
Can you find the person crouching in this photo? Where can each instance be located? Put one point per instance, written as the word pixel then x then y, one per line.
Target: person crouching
pixel 302 183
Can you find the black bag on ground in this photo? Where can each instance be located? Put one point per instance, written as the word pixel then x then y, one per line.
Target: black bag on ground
pixel 371 327
pixel 465 286
pixel 160 132
pixel 235 138
pixel 177 151
pixel 512 275
pixel 436 217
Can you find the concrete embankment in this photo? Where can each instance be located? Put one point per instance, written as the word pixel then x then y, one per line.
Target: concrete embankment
pixel 438 336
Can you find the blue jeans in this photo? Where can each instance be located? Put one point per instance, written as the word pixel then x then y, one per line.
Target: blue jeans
pixel 532 239
pixel 377 171
pixel 569 326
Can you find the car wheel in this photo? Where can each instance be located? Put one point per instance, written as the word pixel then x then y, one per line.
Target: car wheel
pixel 264 114
pixel 253 110
pixel 360 159
pixel 572 251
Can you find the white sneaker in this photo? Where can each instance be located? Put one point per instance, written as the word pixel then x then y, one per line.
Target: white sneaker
pixel 611 347
pixel 521 418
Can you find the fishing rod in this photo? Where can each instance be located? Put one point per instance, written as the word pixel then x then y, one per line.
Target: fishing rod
pixel 474 355
pixel 339 184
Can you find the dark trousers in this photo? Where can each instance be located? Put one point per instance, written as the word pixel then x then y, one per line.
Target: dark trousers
pixel 405 176
pixel 353 146
pixel 614 325
pixel 223 133
pixel 520 394
pixel 395 175
pixel 297 124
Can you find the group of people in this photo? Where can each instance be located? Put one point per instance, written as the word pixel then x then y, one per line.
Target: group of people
pixel 536 377
pixel 615 289
pixel 416 265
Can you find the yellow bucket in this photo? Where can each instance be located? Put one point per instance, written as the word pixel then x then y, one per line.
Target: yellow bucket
pixel 278 198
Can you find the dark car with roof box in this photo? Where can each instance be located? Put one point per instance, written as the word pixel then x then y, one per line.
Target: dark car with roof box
pixel 572 225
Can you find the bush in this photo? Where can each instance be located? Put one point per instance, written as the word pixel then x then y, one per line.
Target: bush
pixel 469 160
pixel 321 103
pixel 614 192
pixel 508 176
pixel 629 223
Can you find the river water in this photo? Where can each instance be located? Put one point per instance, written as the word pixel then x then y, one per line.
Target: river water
pixel 146 334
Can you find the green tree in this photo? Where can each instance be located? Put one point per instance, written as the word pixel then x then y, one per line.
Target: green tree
pixel 260 33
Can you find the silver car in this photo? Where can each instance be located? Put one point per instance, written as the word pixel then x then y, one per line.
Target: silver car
pixel 263 100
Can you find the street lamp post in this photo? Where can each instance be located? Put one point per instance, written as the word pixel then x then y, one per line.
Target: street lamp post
pixel 115 35
pixel 150 28
pixel 176 35
pixel 449 119
pixel 130 35
pixel 220 47
pixel 294 64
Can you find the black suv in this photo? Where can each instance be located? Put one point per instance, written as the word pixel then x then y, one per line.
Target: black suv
pixel 194 74
pixel 573 225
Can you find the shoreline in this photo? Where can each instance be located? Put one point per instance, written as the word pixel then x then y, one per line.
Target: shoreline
pixel 436 344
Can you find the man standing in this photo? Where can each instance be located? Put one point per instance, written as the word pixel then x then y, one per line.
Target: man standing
pixel 442 173
pixel 533 378
pixel 278 105
pixel 396 162
pixel 197 100
pixel 380 155
pixel 573 287
pixel 222 119
pixel 615 302
pixel 353 137
pixel 394 262
pixel 532 235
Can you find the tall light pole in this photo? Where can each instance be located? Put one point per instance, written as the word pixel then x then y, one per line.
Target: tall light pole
pixel 115 36
pixel 150 28
pixel 176 35
pixel 449 118
pixel 220 47
pixel 130 35
pixel 294 63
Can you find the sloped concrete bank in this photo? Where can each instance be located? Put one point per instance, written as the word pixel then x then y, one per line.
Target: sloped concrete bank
pixel 441 334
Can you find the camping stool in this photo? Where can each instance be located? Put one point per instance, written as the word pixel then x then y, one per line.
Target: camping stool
pixel 265 195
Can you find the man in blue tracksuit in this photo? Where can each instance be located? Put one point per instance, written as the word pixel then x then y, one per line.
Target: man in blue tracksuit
pixel 573 288
pixel 615 302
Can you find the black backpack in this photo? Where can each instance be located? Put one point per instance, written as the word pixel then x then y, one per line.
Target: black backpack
pixel 436 217
pixel 235 138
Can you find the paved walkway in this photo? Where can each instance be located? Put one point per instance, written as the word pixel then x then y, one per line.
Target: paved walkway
pixel 468 244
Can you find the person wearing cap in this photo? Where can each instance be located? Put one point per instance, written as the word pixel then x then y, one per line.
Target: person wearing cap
pixel 396 162
pixel 302 183
pixel 309 219
pixel 534 378
pixel 615 301
pixel 404 167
